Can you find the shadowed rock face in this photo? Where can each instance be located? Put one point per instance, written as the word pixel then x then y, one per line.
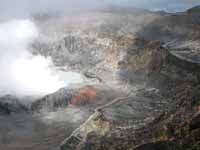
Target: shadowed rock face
pixel 11 104
pixel 194 10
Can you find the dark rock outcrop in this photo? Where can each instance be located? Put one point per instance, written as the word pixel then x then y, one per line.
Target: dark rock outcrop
pixel 11 104
pixel 194 10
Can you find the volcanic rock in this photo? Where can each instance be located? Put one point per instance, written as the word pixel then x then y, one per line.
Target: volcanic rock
pixel 11 104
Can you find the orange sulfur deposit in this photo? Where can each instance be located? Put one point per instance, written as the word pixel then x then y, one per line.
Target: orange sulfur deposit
pixel 86 95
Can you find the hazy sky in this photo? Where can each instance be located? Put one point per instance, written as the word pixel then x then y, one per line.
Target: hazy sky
pixel 24 7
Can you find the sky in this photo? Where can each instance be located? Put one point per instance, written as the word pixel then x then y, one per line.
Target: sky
pixel 13 8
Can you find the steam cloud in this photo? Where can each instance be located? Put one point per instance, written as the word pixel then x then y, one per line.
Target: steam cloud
pixel 21 72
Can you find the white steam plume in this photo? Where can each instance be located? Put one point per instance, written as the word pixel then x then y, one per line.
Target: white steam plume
pixel 21 73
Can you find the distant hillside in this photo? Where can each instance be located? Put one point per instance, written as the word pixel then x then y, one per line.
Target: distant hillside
pixel 194 10
pixel 124 10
